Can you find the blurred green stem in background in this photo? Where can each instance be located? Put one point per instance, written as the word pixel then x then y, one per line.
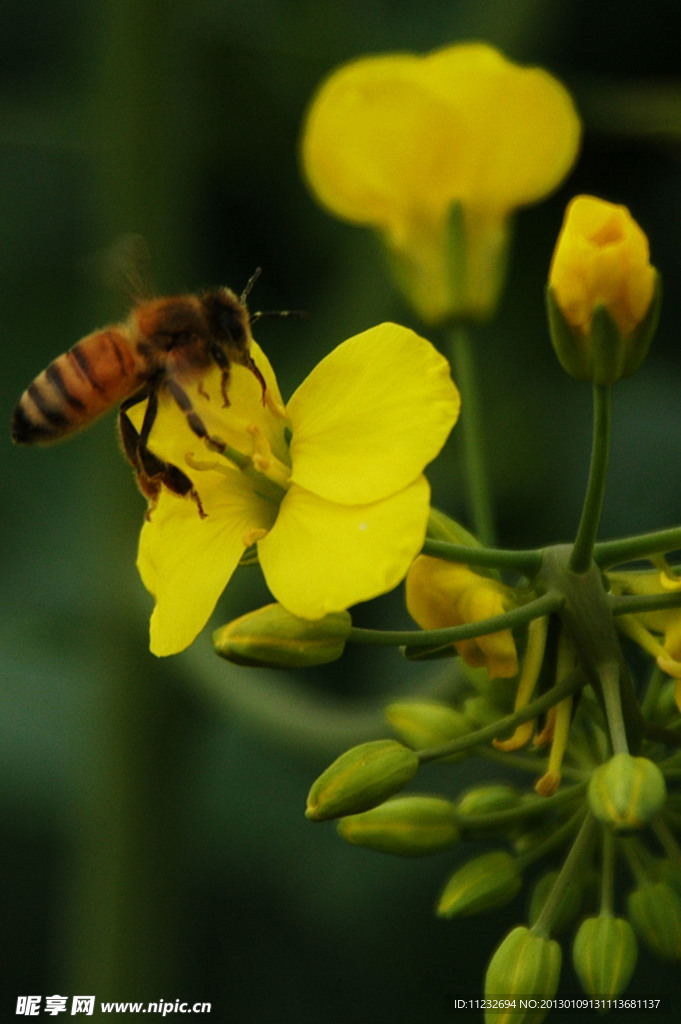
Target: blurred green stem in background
pixel 122 900
pixel 471 427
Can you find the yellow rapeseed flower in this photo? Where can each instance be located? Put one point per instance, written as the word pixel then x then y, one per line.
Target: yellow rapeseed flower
pixel 442 594
pixel 330 489
pixel 603 292
pixel 436 151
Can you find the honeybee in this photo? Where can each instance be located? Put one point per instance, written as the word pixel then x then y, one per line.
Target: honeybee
pixel 164 344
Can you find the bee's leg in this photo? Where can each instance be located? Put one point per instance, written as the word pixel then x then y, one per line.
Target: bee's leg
pixel 152 473
pixel 194 421
pixel 222 359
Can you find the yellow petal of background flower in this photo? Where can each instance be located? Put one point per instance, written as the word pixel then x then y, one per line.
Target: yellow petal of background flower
pixel 185 561
pixel 321 557
pixel 371 415
pixel 396 133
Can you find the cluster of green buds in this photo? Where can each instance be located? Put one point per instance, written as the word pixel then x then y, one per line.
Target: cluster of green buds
pixel 542 685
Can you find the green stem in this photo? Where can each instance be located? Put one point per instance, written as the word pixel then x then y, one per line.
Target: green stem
pixel 539 849
pixel 506 724
pixel 609 675
pixel 572 865
pixel 628 604
pixel 527 562
pixel 530 809
pixel 628 549
pixel 472 434
pixel 543 605
pixel 608 874
pixel 582 552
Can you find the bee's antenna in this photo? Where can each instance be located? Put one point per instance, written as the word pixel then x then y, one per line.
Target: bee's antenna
pixel 249 285
pixel 277 312
pixel 273 312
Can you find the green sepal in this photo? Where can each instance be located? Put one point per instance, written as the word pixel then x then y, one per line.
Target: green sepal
pixel 570 346
pixel 626 792
pixel 654 909
pixel 407 826
pixel 443 527
pixel 640 340
pixel 361 778
pixel 424 724
pixel 484 883
pixel 526 966
pixel 272 637
pixel 604 954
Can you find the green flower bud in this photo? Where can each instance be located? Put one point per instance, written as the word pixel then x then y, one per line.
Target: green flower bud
pixel 409 826
pixel 525 965
pixel 604 954
pixel 273 638
pixel 497 796
pixel 568 906
pixel 485 882
pixel 655 912
pixel 442 527
pixel 424 725
pixel 362 777
pixel 483 800
pixel 626 792
pixel 480 711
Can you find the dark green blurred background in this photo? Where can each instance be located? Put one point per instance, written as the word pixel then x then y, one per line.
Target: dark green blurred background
pixel 153 838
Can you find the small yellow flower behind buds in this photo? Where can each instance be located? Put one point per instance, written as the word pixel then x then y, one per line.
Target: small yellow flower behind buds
pixel 441 594
pixel 488 881
pixel 604 954
pixel 626 792
pixel 603 294
pixel 526 966
pixel 655 912
pixel 361 778
pixel 409 826
pixel 274 638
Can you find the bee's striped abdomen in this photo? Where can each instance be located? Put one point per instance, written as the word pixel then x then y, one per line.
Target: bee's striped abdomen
pixel 98 372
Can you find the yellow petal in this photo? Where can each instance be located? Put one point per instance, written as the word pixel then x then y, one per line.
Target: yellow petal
pixel 321 557
pixel 371 415
pixel 186 561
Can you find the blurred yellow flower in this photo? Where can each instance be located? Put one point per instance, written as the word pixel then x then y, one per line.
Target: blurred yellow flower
pixel 644 627
pixel 603 291
pixel 436 151
pixel 331 488
pixel 441 594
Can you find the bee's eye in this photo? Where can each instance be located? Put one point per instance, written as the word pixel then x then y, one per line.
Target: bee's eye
pixel 230 324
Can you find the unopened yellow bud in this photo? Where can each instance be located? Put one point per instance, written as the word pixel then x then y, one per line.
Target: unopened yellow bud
pixel 604 954
pixel 361 778
pixel 603 294
pixel 524 966
pixel 409 826
pixel 272 637
pixel 655 912
pixel 485 882
pixel 427 724
pixel 626 792
pixel 441 594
